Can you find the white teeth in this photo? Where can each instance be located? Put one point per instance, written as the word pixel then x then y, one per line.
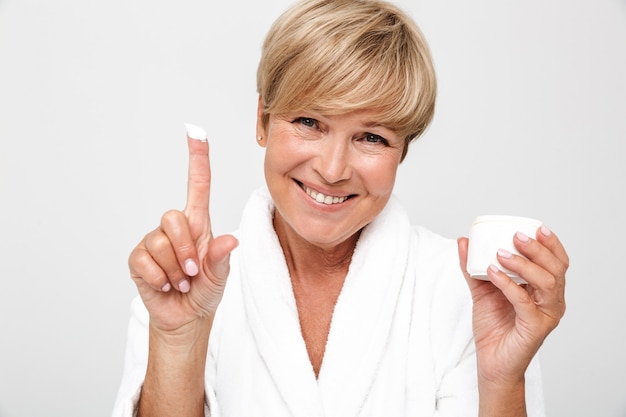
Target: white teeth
pixel 321 198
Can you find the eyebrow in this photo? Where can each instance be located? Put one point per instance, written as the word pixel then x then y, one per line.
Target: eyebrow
pixel 370 124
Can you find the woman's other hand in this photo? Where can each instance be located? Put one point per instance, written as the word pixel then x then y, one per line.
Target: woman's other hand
pixel 511 321
pixel 179 268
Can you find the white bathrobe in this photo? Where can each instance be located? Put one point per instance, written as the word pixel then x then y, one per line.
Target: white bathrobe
pixel 400 341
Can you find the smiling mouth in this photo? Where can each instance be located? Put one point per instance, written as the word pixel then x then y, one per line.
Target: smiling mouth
pixel 322 198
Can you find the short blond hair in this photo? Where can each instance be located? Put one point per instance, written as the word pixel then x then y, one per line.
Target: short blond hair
pixel 338 56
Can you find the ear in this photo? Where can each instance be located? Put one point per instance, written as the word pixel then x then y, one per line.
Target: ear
pixel 261 133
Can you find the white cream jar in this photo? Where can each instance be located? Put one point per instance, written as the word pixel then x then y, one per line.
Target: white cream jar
pixel 491 233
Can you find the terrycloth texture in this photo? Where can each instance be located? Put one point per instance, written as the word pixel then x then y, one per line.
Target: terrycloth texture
pixel 400 341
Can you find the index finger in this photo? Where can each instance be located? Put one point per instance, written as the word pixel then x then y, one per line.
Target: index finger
pixel 199 179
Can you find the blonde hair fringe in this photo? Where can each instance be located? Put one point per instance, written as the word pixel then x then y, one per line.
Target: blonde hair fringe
pixel 334 56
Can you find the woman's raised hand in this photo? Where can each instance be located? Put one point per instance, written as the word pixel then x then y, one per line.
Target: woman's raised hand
pixel 511 321
pixel 179 268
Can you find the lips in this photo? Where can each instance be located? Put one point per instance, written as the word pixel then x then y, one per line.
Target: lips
pixel 323 198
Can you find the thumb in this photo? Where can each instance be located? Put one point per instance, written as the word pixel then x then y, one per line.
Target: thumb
pixel 217 261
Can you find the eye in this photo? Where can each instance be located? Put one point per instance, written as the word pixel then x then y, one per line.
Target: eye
pixel 306 121
pixel 373 138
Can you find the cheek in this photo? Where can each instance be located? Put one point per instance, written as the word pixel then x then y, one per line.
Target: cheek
pixel 287 150
pixel 282 154
pixel 380 176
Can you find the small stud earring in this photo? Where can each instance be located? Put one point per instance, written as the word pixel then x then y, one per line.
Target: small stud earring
pixel 259 138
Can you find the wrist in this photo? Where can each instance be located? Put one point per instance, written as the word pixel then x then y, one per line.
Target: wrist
pixel 174 382
pixel 183 338
pixel 502 398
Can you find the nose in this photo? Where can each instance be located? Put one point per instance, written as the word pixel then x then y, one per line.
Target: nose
pixel 333 162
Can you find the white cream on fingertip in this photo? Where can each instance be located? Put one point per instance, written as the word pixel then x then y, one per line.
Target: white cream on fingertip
pixel 195 132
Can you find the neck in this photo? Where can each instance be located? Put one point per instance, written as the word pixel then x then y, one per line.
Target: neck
pixel 312 263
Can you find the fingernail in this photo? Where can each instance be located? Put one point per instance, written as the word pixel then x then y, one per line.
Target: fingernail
pixel 503 253
pixel 494 268
pixel 166 287
pixel 522 237
pixel 544 230
pixel 191 268
pixel 183 286
pixel 195 132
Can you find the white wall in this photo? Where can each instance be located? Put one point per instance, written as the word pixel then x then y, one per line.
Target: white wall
pixel 93 94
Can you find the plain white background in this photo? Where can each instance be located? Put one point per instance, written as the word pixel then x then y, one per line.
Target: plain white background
pixel 531 121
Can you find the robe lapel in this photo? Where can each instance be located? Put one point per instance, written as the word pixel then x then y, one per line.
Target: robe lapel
pixel 365 313
pixel 272 311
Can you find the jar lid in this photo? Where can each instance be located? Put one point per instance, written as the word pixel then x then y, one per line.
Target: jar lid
pixel 506 219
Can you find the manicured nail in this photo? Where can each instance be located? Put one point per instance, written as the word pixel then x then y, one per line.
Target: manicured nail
pixel 166 287
pixel 191 268
pixel 195 132
pixel 494 268
pixel 544 230
pixel 183 286
pixel 503 253
pixel 522 237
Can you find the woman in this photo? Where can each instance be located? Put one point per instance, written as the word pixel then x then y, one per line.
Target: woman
pixel 330 303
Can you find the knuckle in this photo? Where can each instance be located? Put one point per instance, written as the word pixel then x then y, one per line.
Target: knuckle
pixel 156 281
pixel 551 284
pixel 565 264
pixel 561 269
pixel 143 268
pixel 143 262
pixel 134 255
pixel 171 217
pixel 158 243
pixel 186 249
pixel 139 259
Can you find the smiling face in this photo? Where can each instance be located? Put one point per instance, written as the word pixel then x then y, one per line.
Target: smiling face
pixel 329 175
